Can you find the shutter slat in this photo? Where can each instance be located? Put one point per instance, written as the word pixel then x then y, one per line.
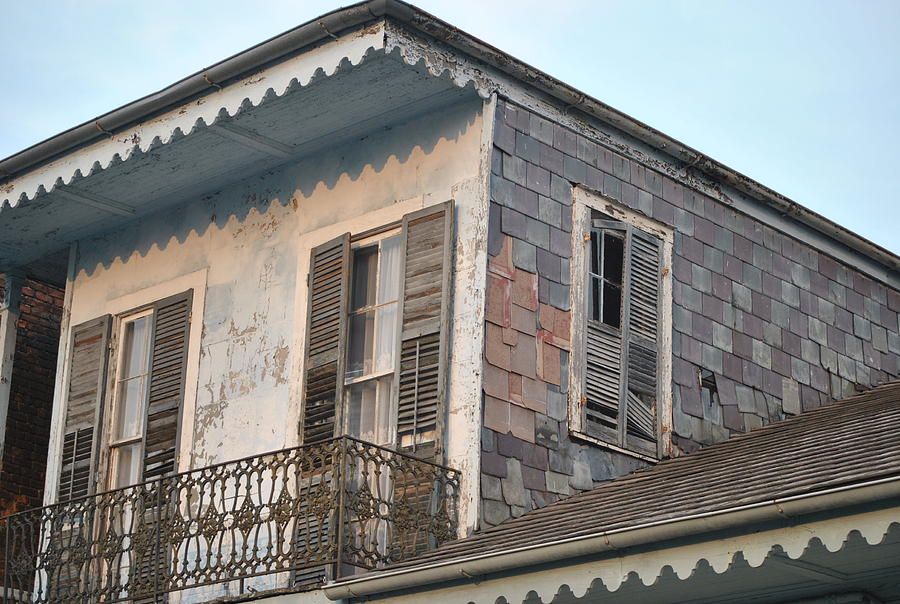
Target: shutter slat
pixel 643 328
pixel 326 336
pixel 84 400
pixel 602 378
pixel 422 361
pixel 168 356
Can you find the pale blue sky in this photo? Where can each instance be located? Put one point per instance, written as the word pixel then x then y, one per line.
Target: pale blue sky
pixel 802 95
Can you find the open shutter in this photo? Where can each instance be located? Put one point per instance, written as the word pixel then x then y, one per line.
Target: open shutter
pixel 603 355
pixel 422 362
pixel 70 539
pixel 642 316
pixel 84 402
pixel 326 339
pixel 168 359
pixel 620 375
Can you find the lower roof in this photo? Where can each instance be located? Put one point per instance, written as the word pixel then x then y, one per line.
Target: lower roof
pixel 845 443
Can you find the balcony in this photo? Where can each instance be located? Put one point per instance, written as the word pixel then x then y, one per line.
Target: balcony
pixel 277 522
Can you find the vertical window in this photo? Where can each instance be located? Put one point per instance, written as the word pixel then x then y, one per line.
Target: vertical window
pixel 372 339
pixel 132 376
pixel 622 266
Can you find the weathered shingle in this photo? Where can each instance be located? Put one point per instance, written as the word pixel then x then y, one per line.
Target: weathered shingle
pixel 840 444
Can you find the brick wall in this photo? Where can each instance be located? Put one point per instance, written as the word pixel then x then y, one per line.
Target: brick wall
pixel 783 327
pixel 27 429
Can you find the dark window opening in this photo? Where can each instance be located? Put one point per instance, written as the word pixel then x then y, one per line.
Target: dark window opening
pixel 606 271
pixel 709 392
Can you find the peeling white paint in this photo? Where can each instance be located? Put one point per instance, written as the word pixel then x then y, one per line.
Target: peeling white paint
pixel 251 242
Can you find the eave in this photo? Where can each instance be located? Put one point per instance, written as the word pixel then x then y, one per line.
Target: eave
pixel 596 567
pixel 338 91
pixel 838 241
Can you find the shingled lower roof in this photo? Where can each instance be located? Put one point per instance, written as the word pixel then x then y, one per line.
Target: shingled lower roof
pixel 848 442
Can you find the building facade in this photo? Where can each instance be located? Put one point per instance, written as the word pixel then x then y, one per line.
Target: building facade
pixel 372 286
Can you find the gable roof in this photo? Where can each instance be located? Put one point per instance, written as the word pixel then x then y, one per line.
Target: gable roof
pixel 843 445
pixel 878 261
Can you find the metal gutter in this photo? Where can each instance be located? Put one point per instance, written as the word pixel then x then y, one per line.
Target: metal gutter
pixel 329 25
pixel 611 541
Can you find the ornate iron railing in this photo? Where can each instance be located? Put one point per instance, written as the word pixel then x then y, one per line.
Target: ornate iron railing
pixel 282 520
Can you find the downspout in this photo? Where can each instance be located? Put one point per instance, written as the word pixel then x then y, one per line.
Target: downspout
pixel 611 541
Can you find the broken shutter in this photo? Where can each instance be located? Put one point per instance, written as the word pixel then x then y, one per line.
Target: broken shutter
pixel 603 358
pixel 641 328
pixel 326 335
pixel 168 359
pixel 620 375
pixel 422 362
pixel 84 401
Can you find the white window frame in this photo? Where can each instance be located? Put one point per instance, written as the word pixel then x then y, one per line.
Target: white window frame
pixel 391 428
pixel 110 443
pixel 585 200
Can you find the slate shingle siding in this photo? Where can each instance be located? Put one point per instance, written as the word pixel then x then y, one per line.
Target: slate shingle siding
pixel 784 328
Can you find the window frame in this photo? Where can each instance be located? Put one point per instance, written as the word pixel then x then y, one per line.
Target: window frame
pixel 111 443
pixel 362 240
pixel 584 201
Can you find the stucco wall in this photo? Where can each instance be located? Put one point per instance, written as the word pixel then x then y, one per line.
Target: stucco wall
pixel 247 246
pixel 784 327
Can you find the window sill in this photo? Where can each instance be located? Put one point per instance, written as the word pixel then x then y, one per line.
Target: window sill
pixel 587 438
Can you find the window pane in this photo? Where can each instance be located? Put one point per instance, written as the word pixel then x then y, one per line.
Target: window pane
pixel 134 347
pixel 389 277
pixel 385 337
pixel 128 465
pixel 595 299
pixel 595 253
pixel 359 355
pixel 369 410
pixel 131 406
pixel 365 263
pixel 613 254
pixel 612 305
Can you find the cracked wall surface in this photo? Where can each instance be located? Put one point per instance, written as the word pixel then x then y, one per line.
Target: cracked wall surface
pixel 246 240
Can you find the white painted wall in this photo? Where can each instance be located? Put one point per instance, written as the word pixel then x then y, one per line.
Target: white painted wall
pixel 247 246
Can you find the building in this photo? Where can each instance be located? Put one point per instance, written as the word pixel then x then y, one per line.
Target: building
pixel 373 285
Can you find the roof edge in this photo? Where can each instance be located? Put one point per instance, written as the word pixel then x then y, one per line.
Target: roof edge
pixel 207 79
pixel 328 25
pixel 610 541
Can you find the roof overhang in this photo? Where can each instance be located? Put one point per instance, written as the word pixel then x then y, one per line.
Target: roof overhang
pixel 827 536
pixel 339 90
pixel 31 174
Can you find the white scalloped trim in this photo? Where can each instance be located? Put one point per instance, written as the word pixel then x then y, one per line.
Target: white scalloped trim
pixel 275 81
pixel 720 555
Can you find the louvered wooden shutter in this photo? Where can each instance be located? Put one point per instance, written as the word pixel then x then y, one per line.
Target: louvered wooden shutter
pixel 422 362
pixel 326 339
pixel 603 357
pixel 168 358
pixel 84 404
pixel 642 327
pixel 620 376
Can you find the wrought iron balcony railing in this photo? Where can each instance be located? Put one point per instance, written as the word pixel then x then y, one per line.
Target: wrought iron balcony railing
pixel 278 521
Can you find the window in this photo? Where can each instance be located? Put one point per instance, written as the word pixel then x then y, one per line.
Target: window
pixel 144 367
pixel 133 371
pixel 621 306
pixel 369 374
pixel 377 320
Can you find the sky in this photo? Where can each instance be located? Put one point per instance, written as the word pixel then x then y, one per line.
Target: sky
pixel 801 95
